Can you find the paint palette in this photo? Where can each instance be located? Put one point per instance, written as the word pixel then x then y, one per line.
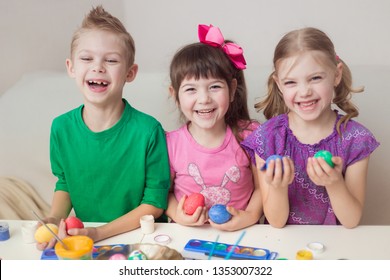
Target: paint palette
pixel 200 249
pixel 97 253
pixel 125 251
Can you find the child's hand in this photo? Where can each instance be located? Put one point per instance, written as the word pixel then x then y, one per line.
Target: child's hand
pixel 197 219
pixel 61 234
pixel 240 219
pixel 322 174
pixel 88 231
pixel 279 173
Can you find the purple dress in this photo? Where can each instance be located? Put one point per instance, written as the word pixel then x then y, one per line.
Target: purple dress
pixel 309 203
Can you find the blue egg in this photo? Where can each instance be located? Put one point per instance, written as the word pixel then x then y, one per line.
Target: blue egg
pixel 218 214
pixel 273 157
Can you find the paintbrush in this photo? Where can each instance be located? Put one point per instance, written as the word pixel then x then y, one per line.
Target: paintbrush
pixel 49 229
pixel 213 248
pixel 235 245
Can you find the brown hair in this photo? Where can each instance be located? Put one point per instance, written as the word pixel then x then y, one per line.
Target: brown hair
pixel 199 60
pixel 99 19
pixel 309 39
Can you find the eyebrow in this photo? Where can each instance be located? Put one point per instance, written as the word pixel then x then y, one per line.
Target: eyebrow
pixel 322 73
pixel 108 53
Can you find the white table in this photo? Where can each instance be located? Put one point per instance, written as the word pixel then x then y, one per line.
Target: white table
pixel 361 243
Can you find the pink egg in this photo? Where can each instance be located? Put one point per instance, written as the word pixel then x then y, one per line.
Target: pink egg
pixel 118 257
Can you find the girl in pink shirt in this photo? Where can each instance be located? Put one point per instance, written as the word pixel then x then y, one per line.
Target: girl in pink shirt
pixel 208 85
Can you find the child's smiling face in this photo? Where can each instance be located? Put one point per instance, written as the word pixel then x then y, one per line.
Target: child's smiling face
pixel 204 102
pixel 307 84
pixel 100 66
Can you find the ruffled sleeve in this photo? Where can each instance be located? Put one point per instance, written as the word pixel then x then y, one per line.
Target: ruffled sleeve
pixel 357 141
pixel 267 139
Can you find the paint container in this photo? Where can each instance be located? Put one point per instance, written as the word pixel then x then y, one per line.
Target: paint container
pixel 316 248
pixel 304 255
pixel 28 231
pixel 80 248
pixel 147 224
pixel 4 231
pixel 162 239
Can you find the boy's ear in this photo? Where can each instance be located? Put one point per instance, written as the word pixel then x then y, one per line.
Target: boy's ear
pixel 132 73
pixel 69 68
pixel 171 92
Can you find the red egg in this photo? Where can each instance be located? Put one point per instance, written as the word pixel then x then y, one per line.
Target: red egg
pixel 192 202
pixel 73 222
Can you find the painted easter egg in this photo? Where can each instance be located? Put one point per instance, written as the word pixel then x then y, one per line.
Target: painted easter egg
pixel 118 257
pixel 273 157
pixel 218 214
pixel 137 255
pixel 192 202
pixel 326 155
pixel 73 222
pixel 42 234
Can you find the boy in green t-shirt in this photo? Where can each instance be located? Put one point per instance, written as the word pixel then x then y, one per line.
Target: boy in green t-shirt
pixel 111 160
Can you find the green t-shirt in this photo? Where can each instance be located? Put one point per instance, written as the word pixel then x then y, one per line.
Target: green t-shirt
pixel 109 173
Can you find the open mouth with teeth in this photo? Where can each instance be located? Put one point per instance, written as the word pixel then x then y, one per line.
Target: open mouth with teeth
pixel 97 84
pixel 204 112
pixel 307 104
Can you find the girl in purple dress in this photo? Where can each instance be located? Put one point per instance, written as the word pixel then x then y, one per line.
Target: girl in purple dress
pixel 308 82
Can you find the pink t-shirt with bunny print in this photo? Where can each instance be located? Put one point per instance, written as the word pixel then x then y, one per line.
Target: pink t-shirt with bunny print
pixel 223 174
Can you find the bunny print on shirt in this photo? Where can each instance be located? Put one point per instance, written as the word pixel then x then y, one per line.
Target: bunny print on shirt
pixel 215 194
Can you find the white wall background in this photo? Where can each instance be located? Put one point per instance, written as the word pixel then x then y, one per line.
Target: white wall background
pixel 35 35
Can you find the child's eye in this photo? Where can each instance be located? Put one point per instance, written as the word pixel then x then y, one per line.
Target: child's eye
pixel 316 78
pixel 215 87
pixel 112 60
pixel 289 83
pixel 189 89
pixel 85 58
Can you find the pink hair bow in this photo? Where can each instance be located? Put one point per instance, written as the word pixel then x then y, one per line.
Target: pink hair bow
pixel 212 36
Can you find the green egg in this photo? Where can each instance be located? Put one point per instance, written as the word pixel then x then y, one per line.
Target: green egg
pixel 327 156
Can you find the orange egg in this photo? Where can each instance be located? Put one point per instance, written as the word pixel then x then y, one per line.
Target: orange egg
pixel 42 234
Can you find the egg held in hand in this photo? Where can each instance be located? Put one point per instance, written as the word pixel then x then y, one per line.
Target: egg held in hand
pixel 326 155
pixel 218 214
pixel 273 157
pixel 43 235
pixel 73 222
pixel 192 202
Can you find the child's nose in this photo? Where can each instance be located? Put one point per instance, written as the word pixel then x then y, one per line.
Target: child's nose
pixel 305 90
pixel 98 66
pixel 204 96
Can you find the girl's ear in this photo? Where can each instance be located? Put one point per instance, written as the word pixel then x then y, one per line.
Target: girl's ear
pixel 132 73
pixel 233 88
pixel 172 94
pixel 69 68
pixel 276 80
pixel 339 74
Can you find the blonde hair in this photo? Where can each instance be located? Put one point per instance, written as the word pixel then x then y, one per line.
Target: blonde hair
pixel 99 19
pixel 301 40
